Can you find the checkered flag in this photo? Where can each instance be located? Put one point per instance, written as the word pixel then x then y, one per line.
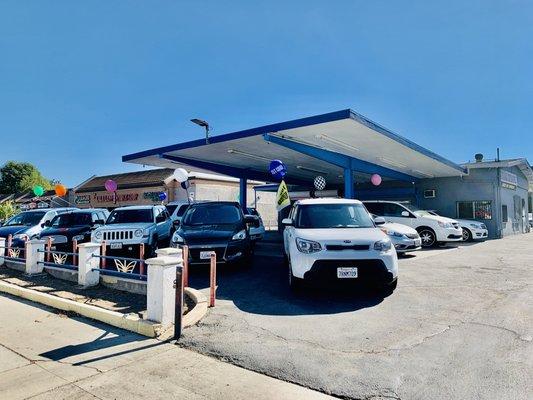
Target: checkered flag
pixel 320 183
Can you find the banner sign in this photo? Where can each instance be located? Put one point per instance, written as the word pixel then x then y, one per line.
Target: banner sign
pixel 282 196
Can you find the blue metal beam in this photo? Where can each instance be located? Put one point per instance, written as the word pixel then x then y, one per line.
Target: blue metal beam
pixel 242 193
pixel 230 171
pixel 348 184
pixel 340 160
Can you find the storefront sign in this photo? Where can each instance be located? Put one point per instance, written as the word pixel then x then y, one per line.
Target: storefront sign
pixel 508 180
pixel 121 197
pixel 82 199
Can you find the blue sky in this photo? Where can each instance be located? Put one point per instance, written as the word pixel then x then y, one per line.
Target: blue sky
pixel 83 83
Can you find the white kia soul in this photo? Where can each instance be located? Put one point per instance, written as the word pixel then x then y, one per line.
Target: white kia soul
pixel 337 240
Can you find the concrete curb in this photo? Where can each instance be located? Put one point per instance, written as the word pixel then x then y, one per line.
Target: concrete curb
pixel 199 310
pixel 131 322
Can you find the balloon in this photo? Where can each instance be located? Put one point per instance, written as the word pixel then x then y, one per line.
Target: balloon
pixel 181 174
pixel 162 196
pixel 375 179
pixel 61 190
pixel 277 169
pixel 320 183
pixel 38 190
pixel 110 185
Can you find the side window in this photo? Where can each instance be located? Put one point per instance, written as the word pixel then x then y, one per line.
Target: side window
pixel 392 210
pixel 375 208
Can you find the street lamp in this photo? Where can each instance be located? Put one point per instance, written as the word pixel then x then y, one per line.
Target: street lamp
pixel 205 125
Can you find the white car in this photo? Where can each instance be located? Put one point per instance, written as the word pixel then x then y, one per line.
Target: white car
pixel 403 237
pixel 472 230
pixel 337 240
pixel 432 229
pixel 256 232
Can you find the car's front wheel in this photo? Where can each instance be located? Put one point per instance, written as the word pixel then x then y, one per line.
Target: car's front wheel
pixel 429 239
pixel 467 235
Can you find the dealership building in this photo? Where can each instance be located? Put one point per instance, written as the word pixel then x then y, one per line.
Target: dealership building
pixel 346 149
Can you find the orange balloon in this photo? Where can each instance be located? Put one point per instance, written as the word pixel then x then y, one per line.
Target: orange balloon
pixel 61 190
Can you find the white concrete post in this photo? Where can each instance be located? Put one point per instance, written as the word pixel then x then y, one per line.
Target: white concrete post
pixel 2 250
pixel 169 251
pixel 34 256
pixel 86 263
pixel 161 293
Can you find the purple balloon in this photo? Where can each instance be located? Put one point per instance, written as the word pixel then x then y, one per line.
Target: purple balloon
pixel 110 185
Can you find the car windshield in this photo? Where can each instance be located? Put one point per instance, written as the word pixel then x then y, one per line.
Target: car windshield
pixel 130 216
pixel 316 216
pixel 212 214
pixel 417 211
pixel 26 218
pixel 72 219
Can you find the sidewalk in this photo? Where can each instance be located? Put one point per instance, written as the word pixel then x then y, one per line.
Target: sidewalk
pixel 48 355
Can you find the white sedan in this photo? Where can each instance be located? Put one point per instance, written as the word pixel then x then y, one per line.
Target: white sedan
pixel 337 240
pixel 473 230
pixel 403 237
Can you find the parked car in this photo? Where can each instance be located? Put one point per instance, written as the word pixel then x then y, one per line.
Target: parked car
pixel 403 237
pixel 256 232
pixel 433 229
pixel 128 227
pixel 29 224
pixel 337 240
pixel 218 226
pixel 76 225
pixel 176 209
pixel 472 230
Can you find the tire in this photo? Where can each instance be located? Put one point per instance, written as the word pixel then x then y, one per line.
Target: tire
pixel 467 235
pixel 295 284
pixel 429 239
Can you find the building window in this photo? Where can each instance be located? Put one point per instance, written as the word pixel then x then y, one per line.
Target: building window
pixel 505 216
pixel 474 210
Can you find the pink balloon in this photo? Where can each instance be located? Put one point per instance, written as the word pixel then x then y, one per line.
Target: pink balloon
pixel 110 185
pixel 375 179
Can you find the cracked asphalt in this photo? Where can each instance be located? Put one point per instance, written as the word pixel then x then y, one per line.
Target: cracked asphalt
pixel 459 326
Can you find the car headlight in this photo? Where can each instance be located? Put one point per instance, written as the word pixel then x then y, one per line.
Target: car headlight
pixel 390 232
pixel 307 246
pixel 241 235
pixel 445 224
pixel 138 233
pixel 78 237
pixel 21 236
pixel 98 235
pixel 382 245
pixel 177 238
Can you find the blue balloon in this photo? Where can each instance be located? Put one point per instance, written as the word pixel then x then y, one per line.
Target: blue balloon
pixel 162 196
pixel 277 169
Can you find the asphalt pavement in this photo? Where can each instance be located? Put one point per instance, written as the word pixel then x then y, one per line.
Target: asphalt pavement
pixel 459 326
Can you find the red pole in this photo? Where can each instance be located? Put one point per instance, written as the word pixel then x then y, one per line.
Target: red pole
pixel 141 256
pixel 48 248
pixel 185 255
pixel 103 253
pixel 213 279
pixel 74 250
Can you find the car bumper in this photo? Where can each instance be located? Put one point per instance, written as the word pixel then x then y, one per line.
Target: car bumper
pixel 403 245
pixel 373 266
pixel 479 234
pixel 225 252
pixel 449 235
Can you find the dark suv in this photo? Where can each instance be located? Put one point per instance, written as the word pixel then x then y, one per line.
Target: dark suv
pixel 219 226
pixel 77 225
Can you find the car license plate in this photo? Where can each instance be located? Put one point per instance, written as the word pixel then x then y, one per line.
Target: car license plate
pixel 116 245
pixel 346 273
pixel 206 255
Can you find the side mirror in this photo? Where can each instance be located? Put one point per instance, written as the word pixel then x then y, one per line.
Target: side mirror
pixel 287 221
pixel 405 214
pixel 99 222
pixel 176 223
pixel 45 223
pixel 379 221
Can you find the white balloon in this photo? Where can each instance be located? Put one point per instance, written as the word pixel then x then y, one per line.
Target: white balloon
pixel 181 174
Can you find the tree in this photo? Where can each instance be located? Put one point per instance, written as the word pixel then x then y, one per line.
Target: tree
pixel 7 210
pixel 16 177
